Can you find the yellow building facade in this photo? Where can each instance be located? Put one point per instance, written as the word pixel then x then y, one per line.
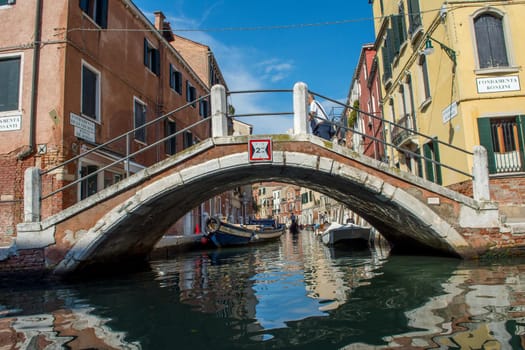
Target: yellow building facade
pixel 452 74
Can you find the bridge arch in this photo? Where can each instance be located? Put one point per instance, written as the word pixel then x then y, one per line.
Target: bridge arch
pixel 119 222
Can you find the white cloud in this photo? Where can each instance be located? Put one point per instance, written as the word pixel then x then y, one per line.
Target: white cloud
pixel 242 72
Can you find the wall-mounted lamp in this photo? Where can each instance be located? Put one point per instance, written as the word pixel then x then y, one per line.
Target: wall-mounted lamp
pixel 429 49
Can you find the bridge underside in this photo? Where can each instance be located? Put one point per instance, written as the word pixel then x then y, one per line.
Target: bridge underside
pixel 134 236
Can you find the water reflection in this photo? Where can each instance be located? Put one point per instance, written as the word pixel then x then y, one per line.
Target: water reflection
pixel 292 294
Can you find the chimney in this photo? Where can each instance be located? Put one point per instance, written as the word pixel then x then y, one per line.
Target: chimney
pixel 162 26
pixel 159 20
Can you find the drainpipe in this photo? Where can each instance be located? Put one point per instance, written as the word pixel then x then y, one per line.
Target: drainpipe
pixel 34 84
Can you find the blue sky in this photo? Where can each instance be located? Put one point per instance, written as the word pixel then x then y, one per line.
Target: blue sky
pixel 265 45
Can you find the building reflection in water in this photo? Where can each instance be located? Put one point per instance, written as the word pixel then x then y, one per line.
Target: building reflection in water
pixel 296 292
pixel 482 307
pixel 62 329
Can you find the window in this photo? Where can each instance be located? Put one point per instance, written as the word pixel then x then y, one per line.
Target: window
pixel 191 93
pixel 10 83
pixel 423 70
pixel 387 55
pixel 90 92
pixel 187 139
pixel 151 57
pixel 171 128
pixel 97 10
pixel 490 41
pixel 399 29
pixel 7 2
pixel 432 166
pixel 414 17
pixel 139 112
pixel 203 108
pixel 89 185
pixel 175 79
pixel 503 138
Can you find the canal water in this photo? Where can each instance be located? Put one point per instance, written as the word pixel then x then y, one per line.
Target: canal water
pixel 290 294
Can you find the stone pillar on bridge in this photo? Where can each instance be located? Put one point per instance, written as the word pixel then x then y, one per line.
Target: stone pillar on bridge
pixel 32 194
pixel 480 171
pixel 300 108
pixel 219 109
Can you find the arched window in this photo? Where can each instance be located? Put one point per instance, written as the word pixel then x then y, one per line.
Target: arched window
pixel 490 41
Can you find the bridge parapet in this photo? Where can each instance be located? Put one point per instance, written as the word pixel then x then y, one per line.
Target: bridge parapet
pixel 219 124
pixel 412 211
pixel 385 196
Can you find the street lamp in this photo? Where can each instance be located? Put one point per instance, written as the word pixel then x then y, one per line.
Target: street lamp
pixel 429 49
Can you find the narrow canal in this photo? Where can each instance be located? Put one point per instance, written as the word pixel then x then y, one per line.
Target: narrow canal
pixel 291 294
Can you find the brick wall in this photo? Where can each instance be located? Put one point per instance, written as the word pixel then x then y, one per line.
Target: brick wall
pixel 12 192
pixel 25 260
pixel 509 190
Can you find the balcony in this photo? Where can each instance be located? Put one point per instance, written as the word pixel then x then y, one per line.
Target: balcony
pixel 402 131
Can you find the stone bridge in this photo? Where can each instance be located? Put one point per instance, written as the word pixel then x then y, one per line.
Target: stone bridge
pixel 126 220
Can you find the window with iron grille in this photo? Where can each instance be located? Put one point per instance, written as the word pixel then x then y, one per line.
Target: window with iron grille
pixel 503 138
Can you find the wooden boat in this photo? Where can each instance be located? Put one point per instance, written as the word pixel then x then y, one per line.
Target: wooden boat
pixel 354 235
pixel 223 234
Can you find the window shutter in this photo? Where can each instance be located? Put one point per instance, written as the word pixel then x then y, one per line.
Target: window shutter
pixel 520 121
pixel 146 51
pixel 429 169
pixel 84 5
pixel 437 158
pixel 156 62
pixel 102 15
pixel 172 77
pixel 178 82
pixel 396 39
pixel 419 163
pixel 485 140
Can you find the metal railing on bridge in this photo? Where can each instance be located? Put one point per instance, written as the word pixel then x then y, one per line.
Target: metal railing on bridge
pixel 338 121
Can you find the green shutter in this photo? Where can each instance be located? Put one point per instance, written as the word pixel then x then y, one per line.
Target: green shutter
pixel 429 169
pixel 520 121
pixel 435 146
pixel 419 163
pixel 485 140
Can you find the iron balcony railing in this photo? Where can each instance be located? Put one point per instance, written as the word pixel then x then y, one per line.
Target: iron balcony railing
pixel 507 148
pixel 403 130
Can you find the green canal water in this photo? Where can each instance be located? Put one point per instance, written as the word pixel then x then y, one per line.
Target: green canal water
pixel 290 294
